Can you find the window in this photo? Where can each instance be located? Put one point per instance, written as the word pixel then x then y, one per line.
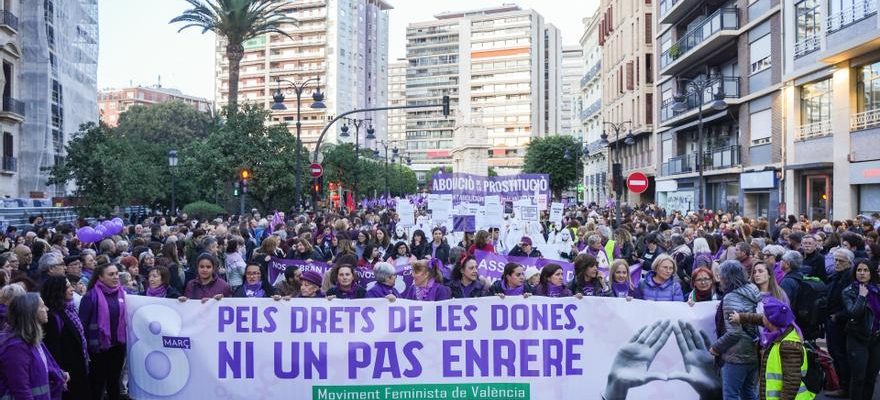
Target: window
pixel 648 28
pixel 869 87
pixel 761 123
pixel 808 21
pixel 630 83
pixel 649 108
pixel 649 68
pixel 759 54
pixel 816 102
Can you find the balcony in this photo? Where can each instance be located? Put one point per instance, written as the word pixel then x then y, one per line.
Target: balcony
pixel 591 74
pixel 851 15
pixel 728 85
pixel 9 20
pixel 865 120
pixel 682 164
pixel 591 110
pixel 12 109
pixel 713 32
pixel 721 157
pixel 10 164
pixel 808 45
pixel 813 130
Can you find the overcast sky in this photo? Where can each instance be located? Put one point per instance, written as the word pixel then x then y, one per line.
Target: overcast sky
pixel 137 45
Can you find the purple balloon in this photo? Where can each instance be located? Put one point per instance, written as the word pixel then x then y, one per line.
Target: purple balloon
pixel 101 230
pixel 87 234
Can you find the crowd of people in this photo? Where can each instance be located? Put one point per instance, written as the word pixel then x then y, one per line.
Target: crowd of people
pixel 781 284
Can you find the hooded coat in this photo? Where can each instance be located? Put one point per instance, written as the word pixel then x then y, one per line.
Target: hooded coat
pixel 737 344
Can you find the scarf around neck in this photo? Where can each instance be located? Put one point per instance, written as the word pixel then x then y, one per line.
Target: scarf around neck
pixel 554 290
pixel 620 288
pixel 160 291
pixel 426 292
pixel 517 291
pixel 254 290
pixel 72 314
pixel 99 298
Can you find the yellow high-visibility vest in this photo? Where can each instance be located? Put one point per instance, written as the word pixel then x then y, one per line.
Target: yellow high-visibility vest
pixel 773 371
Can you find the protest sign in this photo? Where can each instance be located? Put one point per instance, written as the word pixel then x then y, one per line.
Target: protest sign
pixel 556 210
pixel 491 266
pixel 475 188
pixel 529 213
pixel 464 223
pixel 407 214
pixel 538 348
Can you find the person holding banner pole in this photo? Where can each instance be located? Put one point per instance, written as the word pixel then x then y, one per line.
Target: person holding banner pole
pixel 427 282
pixel 345 285
pixel 466 281
pixel 385 276
pixel 512 282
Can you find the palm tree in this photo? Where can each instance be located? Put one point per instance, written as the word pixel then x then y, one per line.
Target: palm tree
pixel 237 21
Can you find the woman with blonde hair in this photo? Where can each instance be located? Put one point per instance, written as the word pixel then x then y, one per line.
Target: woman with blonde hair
pixel 621 284
pixel 660 283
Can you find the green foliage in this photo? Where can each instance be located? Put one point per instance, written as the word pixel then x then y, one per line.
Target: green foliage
pixel 171 125
pixel 203 210
pixel 365 174
pixel 547 156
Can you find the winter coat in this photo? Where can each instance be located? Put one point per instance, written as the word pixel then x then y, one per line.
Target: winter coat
pixel 790 353
pixel 380 290
pixel 359 292
pixel 790 283
pixel 861 318
pixel 518 252
pixel 541 290
pixel 814 265
pixel 478 290
pixel 594 288
pixel 23 374
pixel 648 289
pixel 838 282
pixel 195 289
pixel 442 252
pixel 497 289
pixel 440 292
pixel 737 344
pixel 235 267
pixel 268 290
pixel 64 342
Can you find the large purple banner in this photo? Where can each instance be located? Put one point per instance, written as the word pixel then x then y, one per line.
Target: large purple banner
pixel 364 274
pixel 474 188
pixel 491 266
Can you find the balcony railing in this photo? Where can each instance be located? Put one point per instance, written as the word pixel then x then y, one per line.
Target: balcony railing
pixel 721 157
pixel 592 109
pixel 590 74
pixel 851 15
pixel 12 105
pixel 10 164
pixel 722 19
pixel 682 164
pixel 865 120
pixel 666 5
pixel 9 19
pixel 814 130
pixel 806 46
pixel 728 85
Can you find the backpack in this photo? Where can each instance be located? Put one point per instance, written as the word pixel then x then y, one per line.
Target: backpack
pixel 811 306
pixel 814 380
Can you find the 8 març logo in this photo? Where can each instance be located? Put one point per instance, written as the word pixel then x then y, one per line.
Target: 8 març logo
pixel 157 370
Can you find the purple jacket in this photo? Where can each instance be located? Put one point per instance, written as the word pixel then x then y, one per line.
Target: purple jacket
pixel 381 290
pixel 23 376
pixel 667 291
pixel 3 315
pixel 439 292
pixel 195 289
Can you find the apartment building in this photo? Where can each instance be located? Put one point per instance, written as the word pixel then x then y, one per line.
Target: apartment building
pixel 719 110
pixel 626 37
pixel 11 108
pixel 832 114
pixel 113 102
pixel 344 43
pixel 58 85
pixel 500 67
pixel 589 109
pixel 397 97
pixel 572 71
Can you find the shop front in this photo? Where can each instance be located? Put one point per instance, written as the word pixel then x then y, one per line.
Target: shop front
pixel 760 194
pixel 676 195
pixel 865 176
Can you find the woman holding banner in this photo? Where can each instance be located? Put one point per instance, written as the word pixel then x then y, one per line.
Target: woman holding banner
pixel 704 286
pixel 660 284
pixel 254 285
pixel 587 279
pixel 512 282
pixel 621 284
pixel 310 285
pixel 427 282
pixel 102 312
pixel 466 281
pixel 385 276
pixel 552 282
pixel 345 285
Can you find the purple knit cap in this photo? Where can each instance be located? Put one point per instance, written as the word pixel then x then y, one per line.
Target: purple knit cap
pixel 778 313
pixel 313 277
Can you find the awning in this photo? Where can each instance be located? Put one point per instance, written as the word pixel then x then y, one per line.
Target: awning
pixel 815 165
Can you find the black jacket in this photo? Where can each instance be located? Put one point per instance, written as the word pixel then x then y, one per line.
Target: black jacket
pixel 814 265
pixel 518 252
pixel 268 290
pixel 838 282
pixel 442 252
pixel 497 289
pixel 64 344
pixel 479 289
pixel 861 318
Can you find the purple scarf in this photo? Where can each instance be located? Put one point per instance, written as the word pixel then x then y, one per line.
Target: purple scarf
pixel 427 292
pixel 73 316
pixel 620 289
pixel 466 290
pixel 255 290
pixel 554 290
pixel 103 314
pixel 873 302
pixel 721 251
pixel 517 291
pixel 160 291
pixel 349 293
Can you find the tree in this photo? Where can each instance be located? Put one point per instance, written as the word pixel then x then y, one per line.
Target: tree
pixel 367 174
pixel 236 21
pixel 559 156
pixel 172 125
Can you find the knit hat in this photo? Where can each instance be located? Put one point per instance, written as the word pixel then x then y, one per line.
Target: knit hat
pixel 531 271
pixel 778 313
pixel 526 241
pixel 312 277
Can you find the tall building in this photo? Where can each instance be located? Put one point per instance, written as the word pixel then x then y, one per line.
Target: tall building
pixel 626 38
pixel 397 97
pixel 589 107
pixel 719 63
pixel 12 111
pixel 832 108
pixel 113 102
pixel 58 85
pixel 500 67
pixel 342 42
pixel 572 71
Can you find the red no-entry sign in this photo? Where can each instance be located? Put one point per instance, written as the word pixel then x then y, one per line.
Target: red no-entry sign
pixel 316 170
pixel 637 182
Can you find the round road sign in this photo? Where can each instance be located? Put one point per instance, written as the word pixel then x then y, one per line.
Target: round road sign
pixel 316 170
pixel 637 182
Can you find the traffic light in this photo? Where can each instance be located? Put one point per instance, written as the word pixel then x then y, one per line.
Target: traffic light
pixel 235 189
pixel 244 174
pixel 317 186
pixel 445 106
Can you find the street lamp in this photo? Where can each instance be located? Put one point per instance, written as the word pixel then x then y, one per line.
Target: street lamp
pixel 172 166
pixel 278 105
pixel 376 153
pixel 371 134
pixel 616 169
pixel 698 87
